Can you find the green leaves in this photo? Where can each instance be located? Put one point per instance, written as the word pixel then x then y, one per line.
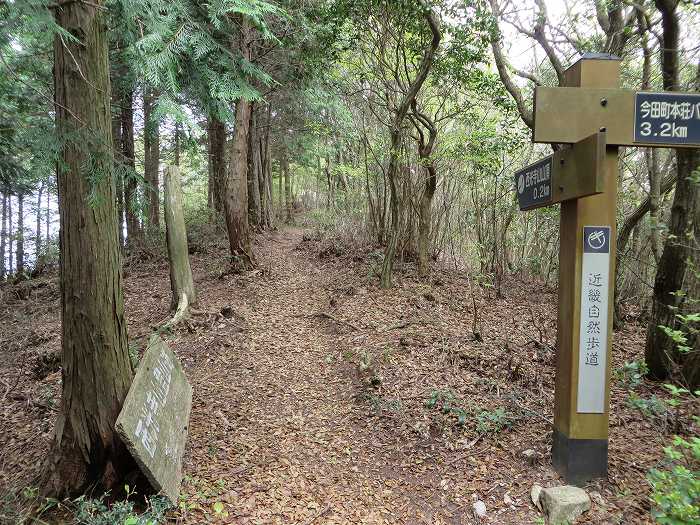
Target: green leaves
pixel 676 485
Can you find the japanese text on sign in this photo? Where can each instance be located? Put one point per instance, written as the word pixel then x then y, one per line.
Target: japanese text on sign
pixel 667 118
pixel 593 335
pixel 147 428
pixel 534 183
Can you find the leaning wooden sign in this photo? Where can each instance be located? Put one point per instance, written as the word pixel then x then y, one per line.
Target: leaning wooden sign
pixel 153 421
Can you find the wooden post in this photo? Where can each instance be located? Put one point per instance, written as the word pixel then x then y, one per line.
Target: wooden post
pixel 582 393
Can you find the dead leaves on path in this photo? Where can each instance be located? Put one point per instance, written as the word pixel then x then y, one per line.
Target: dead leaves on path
pixel 288 425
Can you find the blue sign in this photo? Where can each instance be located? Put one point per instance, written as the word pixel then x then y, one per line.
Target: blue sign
pixel 596 239
pixel 534 184
pixel 667 118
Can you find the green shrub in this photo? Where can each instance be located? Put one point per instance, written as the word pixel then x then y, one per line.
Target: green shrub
pixel 99 512
pixel 675 487
pixel 631 374
pixel 492 422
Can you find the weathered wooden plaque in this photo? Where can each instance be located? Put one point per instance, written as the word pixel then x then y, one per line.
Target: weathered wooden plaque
pixel 154 419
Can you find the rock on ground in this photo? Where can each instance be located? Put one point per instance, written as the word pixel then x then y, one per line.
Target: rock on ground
pixel 564 504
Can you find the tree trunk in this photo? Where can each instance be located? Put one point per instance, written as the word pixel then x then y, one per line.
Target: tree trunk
pixel 151 161
pixel 672 275
pixel 10 237
pixel 252 176
pixel 119 158
pixel 47 237
pixel 287 188
pixel 651 156
pixel 280 184
pixel 37 243
pixel 236 202
pixel 181 283
pixel 673 270
pixel 177 144
pixel 133 233
pixel 96 369
pixel 217 143
pixel 3 237
pixel 397 139
pixel 425 219
pixel 264 182
pixel 20 234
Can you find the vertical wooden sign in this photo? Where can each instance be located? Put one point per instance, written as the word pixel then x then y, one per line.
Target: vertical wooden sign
pixel 582 394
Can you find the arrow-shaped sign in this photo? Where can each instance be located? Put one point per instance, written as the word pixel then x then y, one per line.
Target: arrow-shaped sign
pixel 570 173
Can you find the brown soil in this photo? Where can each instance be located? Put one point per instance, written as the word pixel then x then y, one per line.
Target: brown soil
pixel 311 392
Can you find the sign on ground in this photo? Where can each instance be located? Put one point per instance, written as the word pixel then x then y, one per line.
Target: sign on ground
pixel 154 419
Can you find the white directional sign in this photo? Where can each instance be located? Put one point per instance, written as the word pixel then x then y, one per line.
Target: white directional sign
pixel 593 335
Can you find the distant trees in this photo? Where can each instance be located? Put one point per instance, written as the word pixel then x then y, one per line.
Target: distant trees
pixel 655 29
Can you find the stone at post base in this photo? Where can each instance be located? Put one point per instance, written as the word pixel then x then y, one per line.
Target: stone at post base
pixel 564 504
pixel 579 460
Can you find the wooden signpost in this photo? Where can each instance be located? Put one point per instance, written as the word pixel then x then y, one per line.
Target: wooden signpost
pixel 595 117
pixel 153 421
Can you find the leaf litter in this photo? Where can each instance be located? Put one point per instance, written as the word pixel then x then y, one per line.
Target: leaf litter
pixel 320 398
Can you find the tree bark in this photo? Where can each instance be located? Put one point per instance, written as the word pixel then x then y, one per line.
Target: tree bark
pixel 287 188
pixel 177 144
pixel 133 232
pixel 675 266
pixel 252 176
pixel 96 369
pixel 151 153
pixel 217 144
pixel 20 234
pixel 3 236
pixel 10 237
pixel 236 201
pixel 117 146
pixel 37 244
pixel 181 283
pixel 425 218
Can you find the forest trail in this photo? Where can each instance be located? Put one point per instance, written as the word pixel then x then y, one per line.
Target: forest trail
pixel 289 438
pixel 320 398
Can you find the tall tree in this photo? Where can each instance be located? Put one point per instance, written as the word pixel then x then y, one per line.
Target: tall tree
pixel 217 144
pixel 3 235
pixel 236 199
pixel 133 227
pixel 397 135
pixel 96 369
pixel 20 234
pixel 151 151
pixel 671 294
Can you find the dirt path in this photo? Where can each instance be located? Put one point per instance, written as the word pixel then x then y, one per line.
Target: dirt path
pixel 288 440
pixel 292 446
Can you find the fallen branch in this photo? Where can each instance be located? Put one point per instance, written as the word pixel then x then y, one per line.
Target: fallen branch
pixel 396 326
pixel 333 318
